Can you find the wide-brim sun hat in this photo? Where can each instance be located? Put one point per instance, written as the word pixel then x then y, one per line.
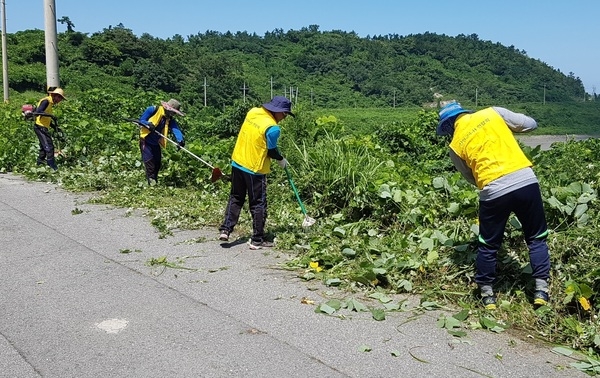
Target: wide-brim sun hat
pixel 447 116
pixel 173 106
pixel 279 104
pixel 58 91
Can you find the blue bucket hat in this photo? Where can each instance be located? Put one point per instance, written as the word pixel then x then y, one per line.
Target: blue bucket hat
pixel 447 116
pixel 279 104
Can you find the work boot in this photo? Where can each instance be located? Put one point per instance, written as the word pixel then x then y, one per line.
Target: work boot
pixel 52 164
pixel 489 302
pixel 540 298
pixel 254 245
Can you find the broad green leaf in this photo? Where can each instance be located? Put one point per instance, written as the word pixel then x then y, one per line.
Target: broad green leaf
pixel 381 297
pixel 406 285
pixel 441 321
pixel 348 252
pixel 428 305
pixel 497 329
pixel 554 202
pixel 585 290
pixel 515 223
pixel 378 314
pixel 453 208
pixel 457 333
pixel 334 303
pixel 432 256
pixel 580 210
pixel 333 282
pixel 439 182
pixel 325 308
pixel 451 322
pixel 354 305
pixel 426 243
pixel 563 351
pixel 338 231
pixel 395 353
pixel 392 306
pixel 462 316
pixel 365 348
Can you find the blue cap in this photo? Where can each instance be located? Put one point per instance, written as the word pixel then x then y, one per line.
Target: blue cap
pixel 447 116
pixel 279 104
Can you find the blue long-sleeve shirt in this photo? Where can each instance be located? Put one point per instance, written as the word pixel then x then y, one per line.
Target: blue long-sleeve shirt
pixel 153 138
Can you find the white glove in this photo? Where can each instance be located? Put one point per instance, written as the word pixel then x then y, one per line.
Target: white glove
pixel 282 163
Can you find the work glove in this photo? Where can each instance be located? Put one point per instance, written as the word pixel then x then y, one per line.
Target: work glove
pixel 282 163
pixel 151 127
pixel 180 145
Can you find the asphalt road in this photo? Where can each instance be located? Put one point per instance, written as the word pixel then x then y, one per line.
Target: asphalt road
pixel 79 297
pixel 545 141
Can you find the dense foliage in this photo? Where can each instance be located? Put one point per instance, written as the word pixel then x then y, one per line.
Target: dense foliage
pixel 319 69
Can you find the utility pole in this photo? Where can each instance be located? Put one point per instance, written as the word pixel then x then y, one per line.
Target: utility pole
pixel 544 103
pixel 205 91
pixel 244 89
pixel 52 78
pixel 4 55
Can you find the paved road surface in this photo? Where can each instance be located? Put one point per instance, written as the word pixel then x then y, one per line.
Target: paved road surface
pixel 546 141
pixel 73 304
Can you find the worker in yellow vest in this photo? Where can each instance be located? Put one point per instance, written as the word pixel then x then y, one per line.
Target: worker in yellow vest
pixel 486 153
pixel 160 119
pixel 44 119
pixel 255 147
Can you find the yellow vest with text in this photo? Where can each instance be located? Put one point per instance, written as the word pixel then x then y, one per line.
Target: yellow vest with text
pixel 44 120
pixel 250 149
pixel 155 119
pixel 484 141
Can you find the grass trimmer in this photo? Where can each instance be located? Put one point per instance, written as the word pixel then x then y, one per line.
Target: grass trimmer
pixel 216 172
pixel 308 221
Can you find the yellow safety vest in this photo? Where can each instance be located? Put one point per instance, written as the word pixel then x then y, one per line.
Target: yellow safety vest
pixel 250 149
pixel 155 119
pixel 45 120
pixel 484 141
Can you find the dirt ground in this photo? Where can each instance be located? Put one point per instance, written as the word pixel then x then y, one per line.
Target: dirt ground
pixel 546 140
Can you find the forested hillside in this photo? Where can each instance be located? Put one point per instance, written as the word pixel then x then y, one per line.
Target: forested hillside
pixel 324 68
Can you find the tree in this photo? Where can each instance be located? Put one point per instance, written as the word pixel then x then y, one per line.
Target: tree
pixel 70 25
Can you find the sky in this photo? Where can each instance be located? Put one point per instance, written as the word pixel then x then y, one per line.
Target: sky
pixel 562 34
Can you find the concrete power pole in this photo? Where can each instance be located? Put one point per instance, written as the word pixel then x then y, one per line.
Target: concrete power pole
pixel 4 54
pixel 52 78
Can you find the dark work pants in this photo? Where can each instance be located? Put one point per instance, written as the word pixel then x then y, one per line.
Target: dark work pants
pixel 152 157
pixel 46 150
pixel 255 187
pixel 527 205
